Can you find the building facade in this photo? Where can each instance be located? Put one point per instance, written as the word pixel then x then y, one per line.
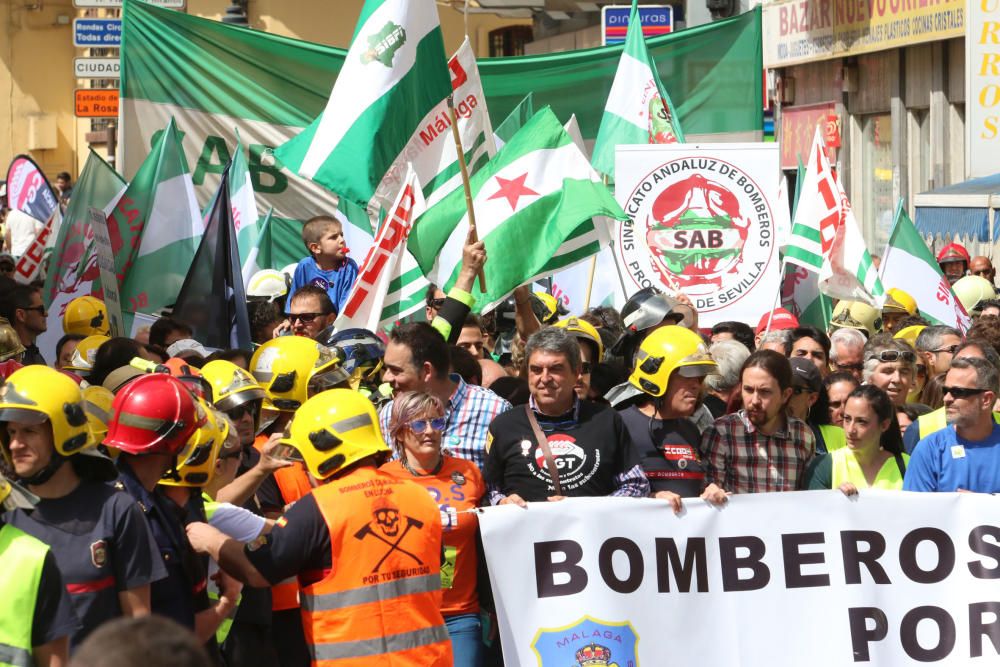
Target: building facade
pixel 887 81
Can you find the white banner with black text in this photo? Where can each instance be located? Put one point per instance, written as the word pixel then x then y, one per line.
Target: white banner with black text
pixel 770 580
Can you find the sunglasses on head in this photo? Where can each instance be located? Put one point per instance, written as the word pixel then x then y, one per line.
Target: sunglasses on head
pixel 961 392
pixel 420 426
pixel 305 318
pixel 895 355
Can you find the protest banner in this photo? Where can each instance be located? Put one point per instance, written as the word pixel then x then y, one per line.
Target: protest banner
pixel 814 578
pixel 106 265
pixel 702 222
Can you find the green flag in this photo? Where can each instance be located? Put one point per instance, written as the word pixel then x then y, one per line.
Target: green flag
pixel 908 264
pixel 534 205
pixel 73 269
pixel 638 110
pixel 395 73
pixel 155 228
pixel 515 120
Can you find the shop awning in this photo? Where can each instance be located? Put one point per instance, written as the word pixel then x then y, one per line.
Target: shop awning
pixel 962 209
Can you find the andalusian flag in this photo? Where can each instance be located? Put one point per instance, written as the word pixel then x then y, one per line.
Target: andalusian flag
pixel 908 264
pixel 534 205
pixel 638 110
pixel 156 228
pixel 395 73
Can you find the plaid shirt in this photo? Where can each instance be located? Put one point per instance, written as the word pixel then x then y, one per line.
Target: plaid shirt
pixel 741 459
pixel 469 412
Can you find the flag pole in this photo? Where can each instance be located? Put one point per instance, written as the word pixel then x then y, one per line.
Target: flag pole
pixel 590 282
pixel 777 298
pixel 473 235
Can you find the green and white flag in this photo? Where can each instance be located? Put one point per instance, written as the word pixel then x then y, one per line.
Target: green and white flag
pixel 260 255
pixel 817 212
pixel 515 120
pixel 73 270
pixel 848 272
pixel 638 110
pixel 155 228
pixel 908 264
pixel 436 171
pixel 395 73
pixel 244 205
pixel 534 205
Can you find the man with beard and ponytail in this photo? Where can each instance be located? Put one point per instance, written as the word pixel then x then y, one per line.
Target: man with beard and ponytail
pixel 671 365
pixel 99 537
pixel 760 448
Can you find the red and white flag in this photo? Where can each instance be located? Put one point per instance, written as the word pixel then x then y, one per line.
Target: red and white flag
pixel 385 263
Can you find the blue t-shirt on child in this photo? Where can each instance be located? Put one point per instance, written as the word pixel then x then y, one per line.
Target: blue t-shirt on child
pixel 945 462
pixel 336 282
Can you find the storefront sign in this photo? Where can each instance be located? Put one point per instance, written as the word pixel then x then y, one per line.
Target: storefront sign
pixel 798 126
pixel 702 222
pixel 798 31
pixel 982 92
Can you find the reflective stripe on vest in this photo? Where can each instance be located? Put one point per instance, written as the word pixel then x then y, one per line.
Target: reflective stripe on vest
pixel 23 558
pixel 933 422
pixel 383 594
pixel 365 594
pixel 846 469
pixel 366 648
pixel 16 657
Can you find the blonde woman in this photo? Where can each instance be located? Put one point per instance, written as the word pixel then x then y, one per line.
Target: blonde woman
pixel 415 427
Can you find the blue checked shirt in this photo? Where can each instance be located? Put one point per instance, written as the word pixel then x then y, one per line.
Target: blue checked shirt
pixel 469 412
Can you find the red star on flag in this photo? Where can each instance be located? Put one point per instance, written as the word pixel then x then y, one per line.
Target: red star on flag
pixel 513 189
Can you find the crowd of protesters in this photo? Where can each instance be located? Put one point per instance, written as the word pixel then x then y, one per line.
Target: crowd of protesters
pixel 314 498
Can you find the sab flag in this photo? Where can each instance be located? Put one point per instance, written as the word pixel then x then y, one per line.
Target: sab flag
pixel 212 299
pixel 29 191
pixel 638 110
pixel 394 74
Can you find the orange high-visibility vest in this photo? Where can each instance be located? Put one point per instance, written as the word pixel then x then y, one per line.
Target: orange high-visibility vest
pixel 293 483
pixel 380 602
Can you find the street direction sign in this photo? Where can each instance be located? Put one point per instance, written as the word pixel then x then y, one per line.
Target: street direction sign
pixel 97 68
pixel 101 33
pixel 96 102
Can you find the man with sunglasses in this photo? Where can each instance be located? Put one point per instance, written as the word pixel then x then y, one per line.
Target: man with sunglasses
pixel 964 456
pixel 934 421
pixel 847 351
pixel 890 365
pixel 24 309
pixel 936 345
pixel 309 312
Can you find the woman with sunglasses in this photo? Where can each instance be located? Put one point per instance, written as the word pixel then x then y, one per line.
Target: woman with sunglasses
pixel 457 486
pixel 873 457
pixel 890 365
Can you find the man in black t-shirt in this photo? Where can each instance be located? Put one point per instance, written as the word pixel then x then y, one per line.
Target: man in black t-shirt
pixel 589 446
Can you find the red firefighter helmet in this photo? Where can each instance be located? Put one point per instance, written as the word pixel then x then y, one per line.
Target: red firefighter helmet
pixel 153 414
pixel 954 252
